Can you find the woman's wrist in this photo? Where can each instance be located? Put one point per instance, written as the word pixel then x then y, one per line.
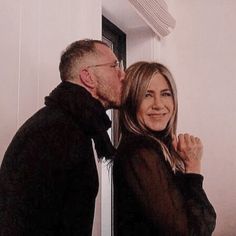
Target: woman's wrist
pixel 196 169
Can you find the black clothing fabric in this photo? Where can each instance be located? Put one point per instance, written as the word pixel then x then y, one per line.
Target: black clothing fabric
pixel 48 177
pixel 150 199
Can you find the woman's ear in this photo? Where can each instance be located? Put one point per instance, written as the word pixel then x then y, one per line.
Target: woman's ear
pixel 87 79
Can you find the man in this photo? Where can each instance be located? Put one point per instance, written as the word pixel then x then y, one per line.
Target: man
pixel 48 177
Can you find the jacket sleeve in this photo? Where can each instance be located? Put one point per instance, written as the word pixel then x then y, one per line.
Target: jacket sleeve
pixel 202 216
pixel 176 210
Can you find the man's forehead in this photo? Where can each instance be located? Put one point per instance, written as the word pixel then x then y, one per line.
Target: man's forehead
pixel 104 50
pixel 101 47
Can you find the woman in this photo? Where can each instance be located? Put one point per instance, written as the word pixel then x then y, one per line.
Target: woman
pixel 157 181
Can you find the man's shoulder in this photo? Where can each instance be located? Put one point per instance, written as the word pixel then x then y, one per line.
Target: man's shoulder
pixel 51 125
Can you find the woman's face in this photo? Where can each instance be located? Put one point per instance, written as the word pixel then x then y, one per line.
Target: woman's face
pixel 157 107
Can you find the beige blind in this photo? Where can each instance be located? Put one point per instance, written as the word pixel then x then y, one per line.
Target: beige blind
pixel 155 14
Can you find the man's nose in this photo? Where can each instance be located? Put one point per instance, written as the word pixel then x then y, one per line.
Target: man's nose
pixel 122 74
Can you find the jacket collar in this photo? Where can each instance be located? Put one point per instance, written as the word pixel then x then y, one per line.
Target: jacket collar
pixel 87 111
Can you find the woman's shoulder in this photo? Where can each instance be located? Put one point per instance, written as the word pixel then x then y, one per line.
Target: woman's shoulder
pixel 131 144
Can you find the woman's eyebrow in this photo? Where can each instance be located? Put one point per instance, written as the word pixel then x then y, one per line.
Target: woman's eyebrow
pixel 163 90
pixel 166 90
pixel 150 91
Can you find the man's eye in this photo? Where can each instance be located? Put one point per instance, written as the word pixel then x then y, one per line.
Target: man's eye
pixel 115 65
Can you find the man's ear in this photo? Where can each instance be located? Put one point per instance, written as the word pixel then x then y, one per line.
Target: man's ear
pixel 87 79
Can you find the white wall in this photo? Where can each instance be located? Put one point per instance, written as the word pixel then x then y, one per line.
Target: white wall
pixel 142 44
pixel 33 34
pixel 201 53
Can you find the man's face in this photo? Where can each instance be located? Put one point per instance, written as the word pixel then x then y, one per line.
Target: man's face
pixel 109 77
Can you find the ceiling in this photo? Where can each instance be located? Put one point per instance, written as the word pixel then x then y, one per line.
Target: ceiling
pixel 122 14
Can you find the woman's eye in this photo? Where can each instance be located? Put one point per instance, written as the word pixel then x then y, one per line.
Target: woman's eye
pixel 167 94
pixel 148 95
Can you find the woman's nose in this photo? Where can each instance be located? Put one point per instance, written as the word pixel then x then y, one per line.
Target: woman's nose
pixel 157 103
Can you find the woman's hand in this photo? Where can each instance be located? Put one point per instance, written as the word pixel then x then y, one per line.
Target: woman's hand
pixel 190 148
